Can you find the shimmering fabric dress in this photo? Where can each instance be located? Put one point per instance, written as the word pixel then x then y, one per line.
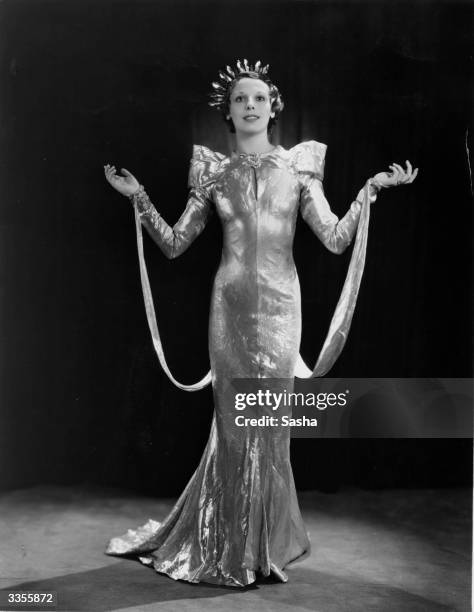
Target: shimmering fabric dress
pixel 239 515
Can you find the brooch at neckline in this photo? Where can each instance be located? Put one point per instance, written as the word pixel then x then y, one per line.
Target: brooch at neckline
pixel 254 160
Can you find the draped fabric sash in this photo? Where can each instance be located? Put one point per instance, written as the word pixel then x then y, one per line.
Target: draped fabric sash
pixel 151 316
pixel 342 317
pixel 340 322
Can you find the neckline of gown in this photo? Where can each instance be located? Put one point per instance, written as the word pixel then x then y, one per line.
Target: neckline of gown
pixel 274 151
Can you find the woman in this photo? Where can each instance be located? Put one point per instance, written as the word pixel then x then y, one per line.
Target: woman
pixel 238 516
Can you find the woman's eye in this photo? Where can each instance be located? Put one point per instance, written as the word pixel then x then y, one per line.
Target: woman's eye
pixel 261 98
pixel 238 99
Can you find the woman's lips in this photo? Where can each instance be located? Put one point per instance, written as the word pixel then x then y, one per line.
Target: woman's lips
pixel 251 117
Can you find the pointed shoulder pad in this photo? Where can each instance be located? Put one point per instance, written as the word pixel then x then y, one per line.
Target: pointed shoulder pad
pixel 205 166
pixel 308 157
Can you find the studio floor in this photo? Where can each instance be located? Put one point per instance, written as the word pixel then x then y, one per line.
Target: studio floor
pixel 372 550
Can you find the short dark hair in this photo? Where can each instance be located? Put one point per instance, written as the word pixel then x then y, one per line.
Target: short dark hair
pixel 275 98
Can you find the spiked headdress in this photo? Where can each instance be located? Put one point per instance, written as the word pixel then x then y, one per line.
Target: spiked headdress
pixel 230 75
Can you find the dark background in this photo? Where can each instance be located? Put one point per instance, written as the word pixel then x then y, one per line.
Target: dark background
pixel 82 84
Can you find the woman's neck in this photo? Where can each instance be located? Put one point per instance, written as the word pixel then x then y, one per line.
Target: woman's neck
pixel 253 143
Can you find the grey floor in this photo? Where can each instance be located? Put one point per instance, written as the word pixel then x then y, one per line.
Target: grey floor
pixel 386 550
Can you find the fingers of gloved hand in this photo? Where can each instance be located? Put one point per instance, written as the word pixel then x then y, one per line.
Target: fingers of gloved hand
pixel 401 171
pixel 413 176
pixel 395 176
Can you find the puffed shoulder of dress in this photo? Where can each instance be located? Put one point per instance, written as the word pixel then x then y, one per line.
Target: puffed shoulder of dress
pixel 308 158
pixel 205 166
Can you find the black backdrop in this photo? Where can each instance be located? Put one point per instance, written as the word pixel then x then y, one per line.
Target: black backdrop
pixel 88 83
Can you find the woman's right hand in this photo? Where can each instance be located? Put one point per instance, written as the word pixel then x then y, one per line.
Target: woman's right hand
pixel 127 185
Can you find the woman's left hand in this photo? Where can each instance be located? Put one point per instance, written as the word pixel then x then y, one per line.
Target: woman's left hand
pixel 399 176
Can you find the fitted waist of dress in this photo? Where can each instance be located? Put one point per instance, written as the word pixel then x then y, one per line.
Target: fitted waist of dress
pixel 258 265
pixel 252 280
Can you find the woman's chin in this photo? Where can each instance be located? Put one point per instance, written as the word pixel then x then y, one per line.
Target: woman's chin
pixel 251 130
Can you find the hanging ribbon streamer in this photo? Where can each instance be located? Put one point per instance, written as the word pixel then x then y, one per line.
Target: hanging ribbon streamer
pixel 342 317
pixel 340 322
pixel 151 316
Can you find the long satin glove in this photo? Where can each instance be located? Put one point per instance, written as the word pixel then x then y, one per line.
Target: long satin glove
pixel 173 240
pixel 336 234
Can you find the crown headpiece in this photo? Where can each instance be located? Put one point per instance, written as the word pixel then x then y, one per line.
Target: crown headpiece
pixel 227 78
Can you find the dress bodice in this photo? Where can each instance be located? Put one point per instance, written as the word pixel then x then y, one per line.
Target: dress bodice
pixel 222 176
pixel 257 197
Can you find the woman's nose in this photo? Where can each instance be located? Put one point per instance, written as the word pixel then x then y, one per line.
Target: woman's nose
pixel 250 103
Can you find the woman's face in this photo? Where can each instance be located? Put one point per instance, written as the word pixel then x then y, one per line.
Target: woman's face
pixel 250 106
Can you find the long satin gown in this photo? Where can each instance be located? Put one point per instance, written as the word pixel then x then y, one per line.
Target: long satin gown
pixel 238 515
